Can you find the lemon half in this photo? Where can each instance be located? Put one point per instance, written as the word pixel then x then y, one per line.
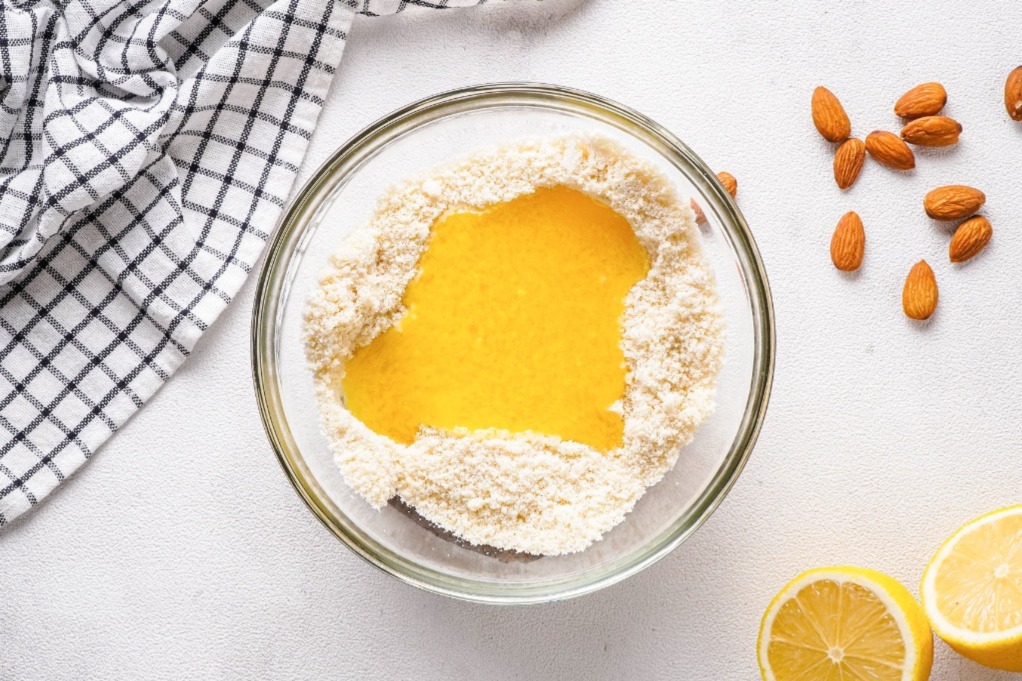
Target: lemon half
pixel 972 590
pixel 844 624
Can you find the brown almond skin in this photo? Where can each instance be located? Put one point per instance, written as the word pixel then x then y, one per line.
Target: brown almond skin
pixel 829 116
pixel 919 297
pixel 932 131
pixel 729 182
pixel 848 160
pixel 1013 94
pixel 970 238
pixel 922 100
pixel 890 150
pixel 848 243
pixel 953 202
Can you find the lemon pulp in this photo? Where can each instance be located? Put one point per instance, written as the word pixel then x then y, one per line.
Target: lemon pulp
pixel 972 590
pixel 845 624
pixel 810 633
pixel 512 322
pixel 979 585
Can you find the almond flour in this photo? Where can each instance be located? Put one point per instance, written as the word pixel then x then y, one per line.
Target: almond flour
pixel 528 492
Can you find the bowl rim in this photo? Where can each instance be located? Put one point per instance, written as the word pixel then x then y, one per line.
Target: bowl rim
pixel 273 284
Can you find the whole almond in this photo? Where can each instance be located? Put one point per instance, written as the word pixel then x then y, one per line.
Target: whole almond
pixel 919 297
pixel 829 116
pixel 729 182
pixel 848 162
pixel 932 131
pixel 848 243
pixel 1013 94
pixel 698 210
pixel 922 100
pixel 970 238
pixel 889 150
pixel 952 202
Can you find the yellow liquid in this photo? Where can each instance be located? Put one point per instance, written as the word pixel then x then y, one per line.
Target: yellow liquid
pixel 512 322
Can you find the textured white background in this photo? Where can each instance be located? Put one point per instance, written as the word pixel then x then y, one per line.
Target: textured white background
pixel 181 550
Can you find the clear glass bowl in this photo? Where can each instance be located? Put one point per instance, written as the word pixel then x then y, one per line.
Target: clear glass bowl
pixel 342 195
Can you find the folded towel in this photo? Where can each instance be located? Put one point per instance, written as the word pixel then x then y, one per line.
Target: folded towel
pixel 148 148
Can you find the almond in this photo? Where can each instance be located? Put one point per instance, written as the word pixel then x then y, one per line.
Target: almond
pixel 729 182
pixel 970 238
pixel 919 297
pixel 952 202
pixel 848 243
pixel 698 210
pixel 848 162
pixel 932 131
pixel 1013 94
pixel 889 150
pixel 922 100
pixel 829 116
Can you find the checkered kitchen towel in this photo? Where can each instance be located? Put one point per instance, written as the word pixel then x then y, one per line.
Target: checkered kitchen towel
pixel 147 148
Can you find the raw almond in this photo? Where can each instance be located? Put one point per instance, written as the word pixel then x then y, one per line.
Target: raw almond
pixel 848 162
pixel 848 243
pixel 889 150
pixel 922 100
pixel 970 238
pixel 1013 94
pixel 829 116
pixel 932 131
pixel 919 297
pixel 698 210
pixel 729 182
pixel 952 202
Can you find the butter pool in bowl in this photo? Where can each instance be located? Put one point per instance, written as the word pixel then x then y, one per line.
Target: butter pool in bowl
pixel 496 356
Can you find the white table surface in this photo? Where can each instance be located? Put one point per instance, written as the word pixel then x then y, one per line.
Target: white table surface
pixel 182 551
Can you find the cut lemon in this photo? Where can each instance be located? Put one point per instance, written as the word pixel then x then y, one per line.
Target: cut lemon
pixel 972 590
pixel 844 624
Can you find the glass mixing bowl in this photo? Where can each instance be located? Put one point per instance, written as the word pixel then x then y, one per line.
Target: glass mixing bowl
pixel 342 195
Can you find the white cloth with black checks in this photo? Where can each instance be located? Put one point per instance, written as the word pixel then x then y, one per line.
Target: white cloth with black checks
pixel 147 148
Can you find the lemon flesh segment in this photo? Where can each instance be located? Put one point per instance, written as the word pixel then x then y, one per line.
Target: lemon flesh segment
pixel 972 590
pixel 844 624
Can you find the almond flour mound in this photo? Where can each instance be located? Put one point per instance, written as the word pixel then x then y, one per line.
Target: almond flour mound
pixel 524 491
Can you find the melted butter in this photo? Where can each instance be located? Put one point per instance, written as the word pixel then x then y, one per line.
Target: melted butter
pixel 512 322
